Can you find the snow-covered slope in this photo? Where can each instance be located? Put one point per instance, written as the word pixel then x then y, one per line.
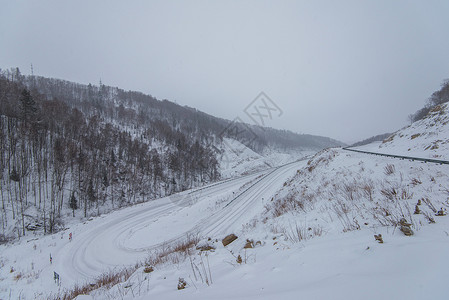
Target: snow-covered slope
pixel 340 191
pixel 339 267
pixel 237 159
pixel 317 238
pixel 427 138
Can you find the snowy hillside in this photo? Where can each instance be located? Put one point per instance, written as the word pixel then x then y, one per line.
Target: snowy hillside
pixel 237 159
pixel 426 138
pixel 71 151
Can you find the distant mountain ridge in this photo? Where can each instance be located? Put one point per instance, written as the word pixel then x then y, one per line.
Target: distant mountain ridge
pixel 376 138
pixel 146 106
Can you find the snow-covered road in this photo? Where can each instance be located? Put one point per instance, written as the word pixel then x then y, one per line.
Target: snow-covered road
pixel 129 235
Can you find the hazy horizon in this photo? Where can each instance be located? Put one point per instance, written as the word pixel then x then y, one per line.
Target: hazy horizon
pixel 346 70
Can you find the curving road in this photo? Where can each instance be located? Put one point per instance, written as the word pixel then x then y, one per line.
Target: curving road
pixel 127 236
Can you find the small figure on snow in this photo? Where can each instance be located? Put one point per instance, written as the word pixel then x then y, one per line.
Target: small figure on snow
pixel 70 236
pixel 56 277
pixel 51 259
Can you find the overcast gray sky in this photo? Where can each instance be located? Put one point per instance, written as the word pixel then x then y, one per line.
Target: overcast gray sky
pixel 343 69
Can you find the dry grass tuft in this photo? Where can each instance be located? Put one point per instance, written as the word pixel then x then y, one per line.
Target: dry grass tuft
pixel 368 190
pixel 389 169
pixel 291 202
pixel 106 280
pixel 415 182
pixel 173 253
pixel 390 193
pixel 299 233
pixel 186 245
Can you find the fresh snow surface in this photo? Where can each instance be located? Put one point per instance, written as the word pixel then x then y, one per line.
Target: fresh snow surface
pixel 338 266
pixel 336 201
pixel 427 138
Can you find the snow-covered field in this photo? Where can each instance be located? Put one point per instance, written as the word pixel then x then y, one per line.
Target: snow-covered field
pixel 312 225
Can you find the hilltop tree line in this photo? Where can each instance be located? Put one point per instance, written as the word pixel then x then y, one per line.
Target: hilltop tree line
pixel 137 110
pixel 438 97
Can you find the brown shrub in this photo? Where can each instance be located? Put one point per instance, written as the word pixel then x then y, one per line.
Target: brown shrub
pixel 239 259
pixel 105 280
pixel 18 276
pixel 249 244
pixel 148 269
pixel 181 283
pixel 206 247
pixel 378 237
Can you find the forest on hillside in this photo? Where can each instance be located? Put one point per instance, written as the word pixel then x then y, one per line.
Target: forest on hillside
pixel 70 149
pixel 87 155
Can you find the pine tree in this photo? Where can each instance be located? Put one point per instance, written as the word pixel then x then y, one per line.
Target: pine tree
pixel 14 175
pixel 28 105
pixel 105 178
pixel 91 192
pixel 73 203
